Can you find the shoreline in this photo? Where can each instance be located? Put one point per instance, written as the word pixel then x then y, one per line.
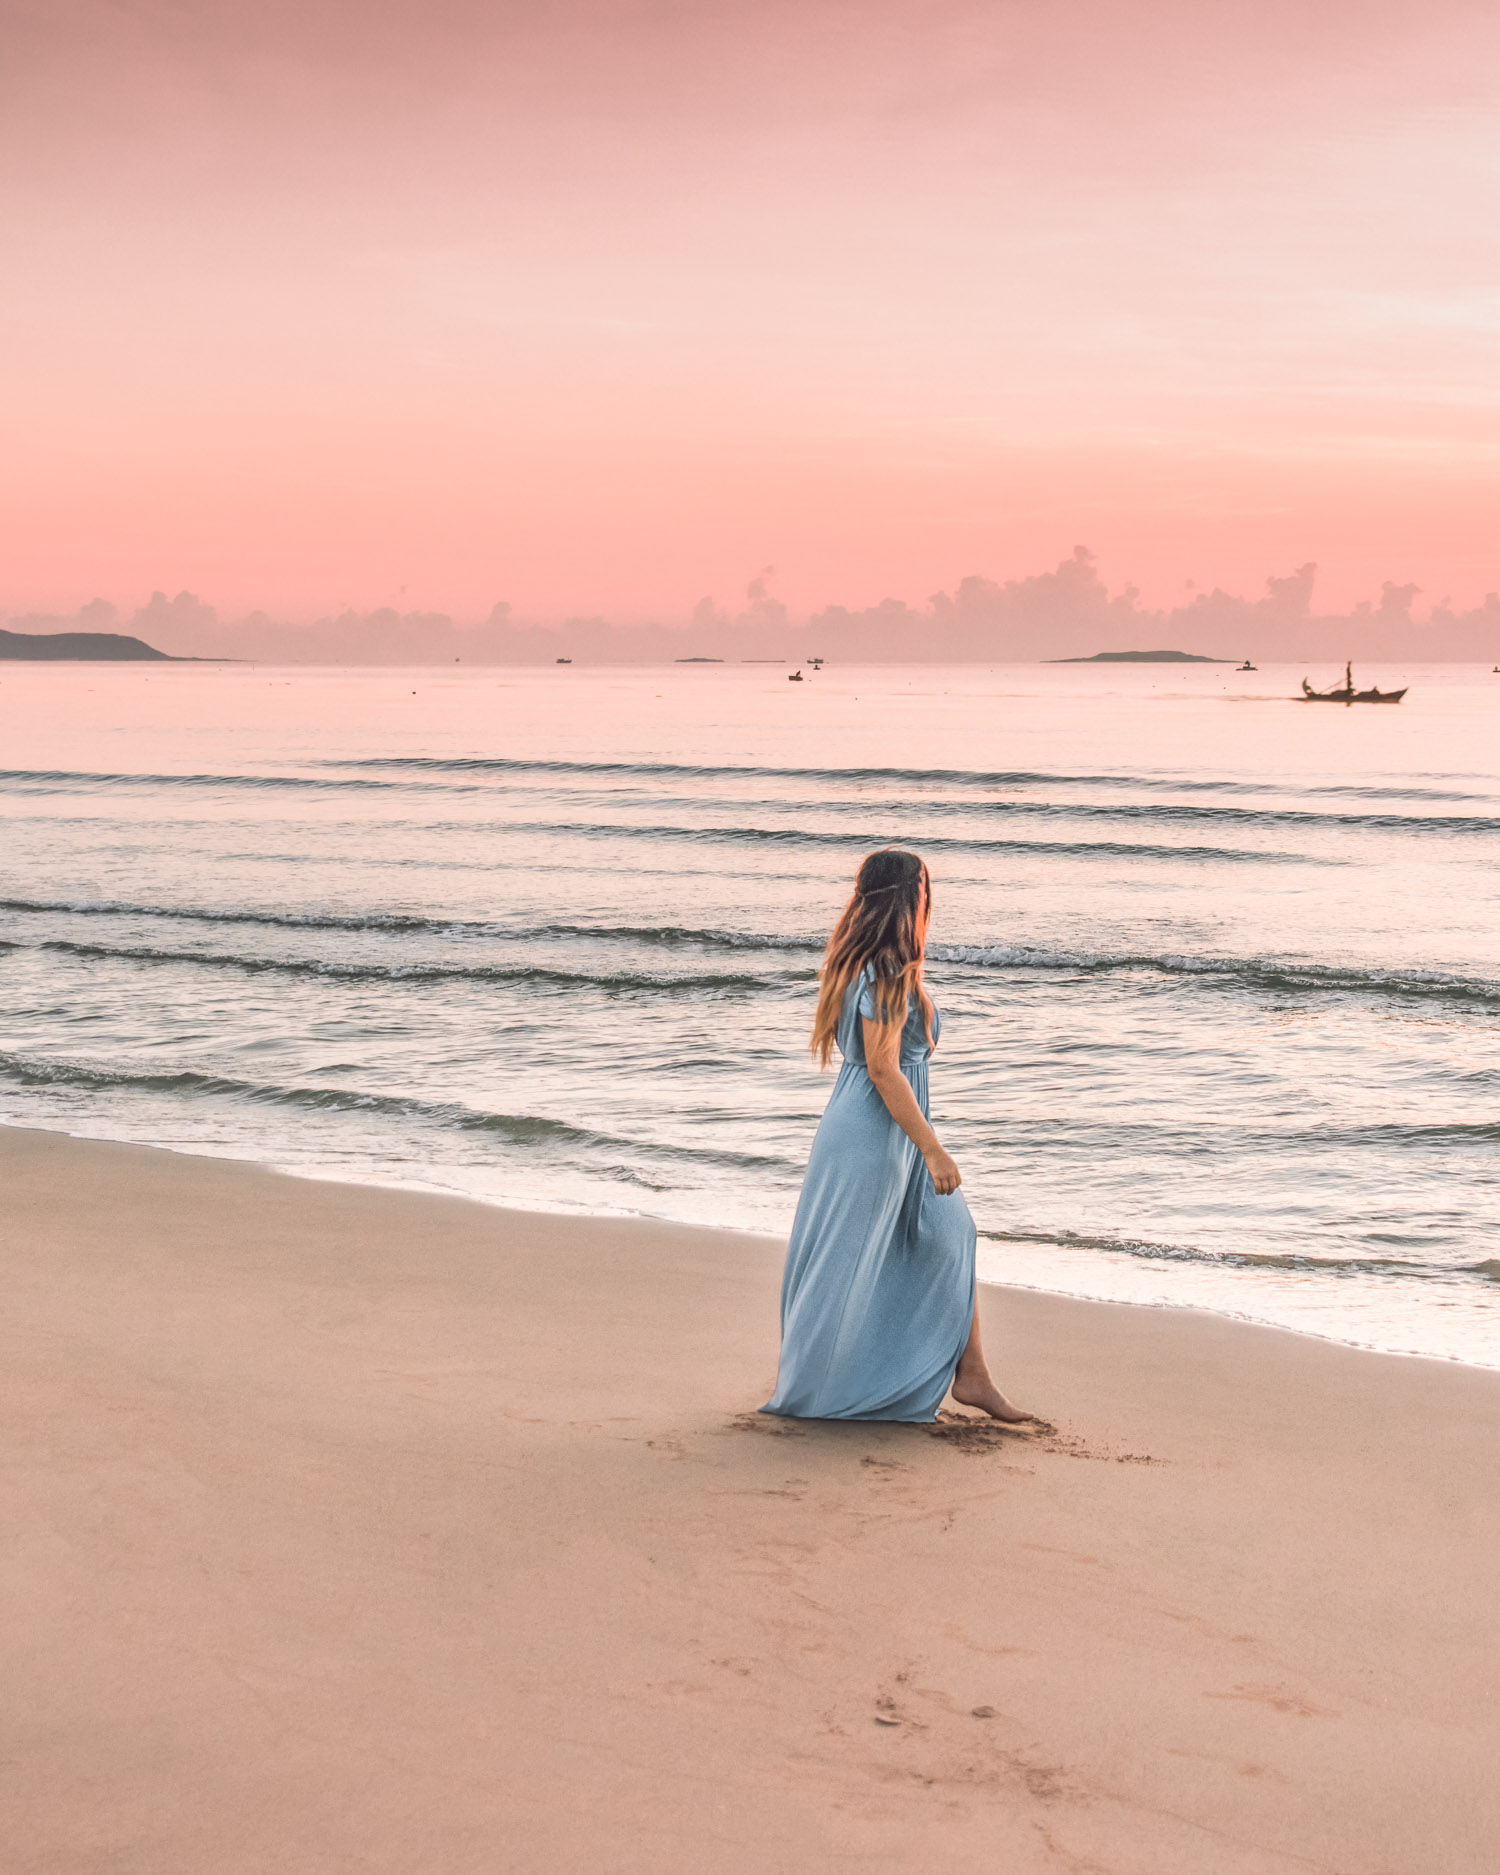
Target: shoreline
pixel 324 1174
pixel 356 1528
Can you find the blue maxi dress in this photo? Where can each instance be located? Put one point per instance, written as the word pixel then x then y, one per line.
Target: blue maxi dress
pixel 878 1295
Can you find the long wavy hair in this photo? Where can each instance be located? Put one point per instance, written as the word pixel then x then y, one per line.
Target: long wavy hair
pixel 884 925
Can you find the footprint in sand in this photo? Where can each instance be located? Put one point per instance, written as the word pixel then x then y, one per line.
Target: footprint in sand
pixel 982 1435
pixel 764 1423
pixel 1279 1699
pixel 1065 1445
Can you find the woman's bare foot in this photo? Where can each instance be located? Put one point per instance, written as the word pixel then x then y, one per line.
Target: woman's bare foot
pixel 981 1391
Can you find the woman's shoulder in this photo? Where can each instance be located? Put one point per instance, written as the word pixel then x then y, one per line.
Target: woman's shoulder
pixel 868 986
pixel 859 991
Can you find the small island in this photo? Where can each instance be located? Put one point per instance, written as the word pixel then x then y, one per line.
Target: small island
pixel 1142 657
pixel 80 647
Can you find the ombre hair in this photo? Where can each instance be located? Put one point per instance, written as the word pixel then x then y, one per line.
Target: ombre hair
pixel 883 926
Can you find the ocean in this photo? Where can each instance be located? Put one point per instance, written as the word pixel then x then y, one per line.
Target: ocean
pixel 1220 971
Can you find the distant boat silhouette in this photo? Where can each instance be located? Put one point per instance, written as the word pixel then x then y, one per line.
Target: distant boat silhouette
pixel 816 663
pixel 1247 666
pixel 795 678
pixel 565 660
pixel 1348 694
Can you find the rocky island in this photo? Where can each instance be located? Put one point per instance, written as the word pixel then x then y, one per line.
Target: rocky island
pixel 1142 657
pixel 80 647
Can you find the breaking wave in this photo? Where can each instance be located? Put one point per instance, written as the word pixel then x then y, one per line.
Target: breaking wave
pixel 720 982
pixel 1263 975
pixel 521 1129
pixel 1291 1262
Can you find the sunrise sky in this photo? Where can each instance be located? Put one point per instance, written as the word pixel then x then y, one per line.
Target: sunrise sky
pixel 604 307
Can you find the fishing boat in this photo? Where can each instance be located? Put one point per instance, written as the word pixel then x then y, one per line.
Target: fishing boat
pixel 1346 693
pixel 1247 666
pixel 795 678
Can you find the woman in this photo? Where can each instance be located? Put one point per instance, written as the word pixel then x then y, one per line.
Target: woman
pixel 877 1305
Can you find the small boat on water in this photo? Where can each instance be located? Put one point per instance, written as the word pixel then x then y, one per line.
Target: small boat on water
pixel 1346 693
pixel 565 660
pixel 1247 666
pixel 795 678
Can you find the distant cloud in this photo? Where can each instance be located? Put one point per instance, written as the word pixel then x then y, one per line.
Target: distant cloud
pixel 186 613
pixel 706 616
pixel 1065 612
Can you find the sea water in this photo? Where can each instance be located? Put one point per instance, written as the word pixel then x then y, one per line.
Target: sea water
pixel 1220 970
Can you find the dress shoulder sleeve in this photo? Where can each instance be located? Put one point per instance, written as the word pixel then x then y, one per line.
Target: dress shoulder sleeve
pixel 867 1004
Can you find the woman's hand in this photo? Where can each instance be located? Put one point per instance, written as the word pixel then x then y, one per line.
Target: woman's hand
pixel 945 1174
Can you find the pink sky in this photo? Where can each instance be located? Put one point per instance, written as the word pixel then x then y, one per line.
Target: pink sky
pixel 603 307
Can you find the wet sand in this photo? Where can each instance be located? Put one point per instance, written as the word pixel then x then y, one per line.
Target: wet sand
pixel 357 1530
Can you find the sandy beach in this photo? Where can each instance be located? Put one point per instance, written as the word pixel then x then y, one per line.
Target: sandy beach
pixel 352 1529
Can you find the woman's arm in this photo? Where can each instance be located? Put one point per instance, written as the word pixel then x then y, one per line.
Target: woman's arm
pixel 883 1060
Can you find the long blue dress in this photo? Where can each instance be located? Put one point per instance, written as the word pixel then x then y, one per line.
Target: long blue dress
pixel 878 1295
